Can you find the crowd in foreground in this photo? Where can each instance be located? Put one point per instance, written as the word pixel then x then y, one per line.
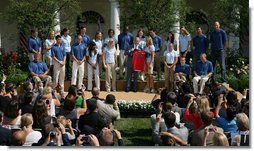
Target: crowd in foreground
pixel 40 116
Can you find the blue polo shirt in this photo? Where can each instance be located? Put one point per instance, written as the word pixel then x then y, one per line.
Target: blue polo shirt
pixel 218 39
pixel 125 41
pixel 37 67
pixel 78 50
pixel 183 68
pixel 203 68
pixel 157 42
pixel 33 43
pixel 85 40
pixel 227 126
pixel 58 52
pixel 201 44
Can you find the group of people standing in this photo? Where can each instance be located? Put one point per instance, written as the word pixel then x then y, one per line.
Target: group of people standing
pixel 90 56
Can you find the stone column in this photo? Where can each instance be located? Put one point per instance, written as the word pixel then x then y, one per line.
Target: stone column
pixel 176 30
pixel 115 17
pixel 57 28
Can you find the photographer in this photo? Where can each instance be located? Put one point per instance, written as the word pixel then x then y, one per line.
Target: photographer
pixel 89 140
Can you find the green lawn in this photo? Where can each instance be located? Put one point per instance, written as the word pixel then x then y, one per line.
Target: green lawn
pixel 135 131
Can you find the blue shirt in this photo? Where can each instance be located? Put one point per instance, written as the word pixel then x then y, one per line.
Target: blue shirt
pixel 203 68
pixel 109 55
pixel 170 56
pixel 66 42
pixel 157 42
pixel 183 68
pixel 37 67
pixel 33 43
pixel 201 44
pixel 78 50
pixel 58 52
pixel 125 41
pixel 227 126
pixel 218 39
pixel 85 40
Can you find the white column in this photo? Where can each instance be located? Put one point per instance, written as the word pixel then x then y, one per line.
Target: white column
pixel 0 40
pixel 176 30
pixel 57 28
pixel 115 17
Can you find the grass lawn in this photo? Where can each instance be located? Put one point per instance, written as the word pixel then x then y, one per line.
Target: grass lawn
pixel 135 131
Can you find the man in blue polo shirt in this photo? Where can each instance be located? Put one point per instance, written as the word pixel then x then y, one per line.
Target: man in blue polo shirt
pixel 59 57
pixel 39 70
pixel 200 44
pixel 34 44
pixel 203 71
pixel 218 41
pixel 157 42
pixel 182 70
pixel 78 53
pixel 125 41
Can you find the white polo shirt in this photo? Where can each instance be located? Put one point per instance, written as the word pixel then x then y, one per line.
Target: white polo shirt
pixel 66 42
pixel 170 56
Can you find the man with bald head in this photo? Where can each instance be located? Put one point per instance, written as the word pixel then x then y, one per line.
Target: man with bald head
pixel 18 138
pixel 130 72
pixel 218 41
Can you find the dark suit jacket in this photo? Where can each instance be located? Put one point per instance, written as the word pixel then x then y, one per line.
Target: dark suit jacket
pixel 5 138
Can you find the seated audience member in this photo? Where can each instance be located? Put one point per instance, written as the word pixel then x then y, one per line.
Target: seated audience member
pixel 241 137
pixel 96 93
pixel 27 87
pixel 245 108
pixel 45 131
pixel 39 71
pixel 219 139
pixel 109 108
pixel 228 124
pixel 182 71
pixel 27 106
pixel 232 100
pixel 10 90
pixel 4 100
pixel 87 140
pixel 170 105
pixel 89 122
pixel 40 114
pixel 67 123
pixel 191 113
pixel 32 136
pixel 5 139
pixel 106 137
pixel 158 105
pixel 12 114
pixel 196 137
pixel 77 95
pixel 18 138
pixel 203 71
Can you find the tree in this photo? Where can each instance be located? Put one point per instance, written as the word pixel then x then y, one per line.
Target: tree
pixel 233 15
pixel 158 14
pixel 40 14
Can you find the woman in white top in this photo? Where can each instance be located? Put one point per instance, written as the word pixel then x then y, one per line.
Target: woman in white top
pixel 93 66
pixel 185 44
pixel 48 45
pixel 170 39
pixel 98 42
pixel 142 44
pixel 149 50
pixel 170 60
pixel 32 136
pixel 109 62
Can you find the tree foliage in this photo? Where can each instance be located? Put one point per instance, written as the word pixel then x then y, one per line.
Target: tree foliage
pixel 40 14
pixel 158 14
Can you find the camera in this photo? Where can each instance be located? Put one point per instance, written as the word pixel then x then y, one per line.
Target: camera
pixel 85 139
pixel 52 134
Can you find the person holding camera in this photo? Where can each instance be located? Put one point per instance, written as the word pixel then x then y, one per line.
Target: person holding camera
pixel 87 140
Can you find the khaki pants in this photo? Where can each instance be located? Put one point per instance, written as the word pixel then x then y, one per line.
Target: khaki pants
pixel 110 73
pixel 75 69
pixel 47 79
pixel 169 78
pixel 203 80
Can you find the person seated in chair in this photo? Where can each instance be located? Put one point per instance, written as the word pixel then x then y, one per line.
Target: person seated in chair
pixel 38 70
pixel 203 71
pixel 182 72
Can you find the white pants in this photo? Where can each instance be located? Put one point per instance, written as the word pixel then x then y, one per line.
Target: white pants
pixel 75 69
pixel 59 74
pixel 202 82
pixel 122 60
pixel 90 76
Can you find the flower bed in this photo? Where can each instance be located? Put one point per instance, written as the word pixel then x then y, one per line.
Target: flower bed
pixel 137 108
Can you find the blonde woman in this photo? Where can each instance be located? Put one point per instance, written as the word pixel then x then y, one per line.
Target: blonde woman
pixel 149 50
pixel 185 44
pixel 109 62
pixel 32 136
pixel 49 43
pixel 219 139
pixel 203 105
